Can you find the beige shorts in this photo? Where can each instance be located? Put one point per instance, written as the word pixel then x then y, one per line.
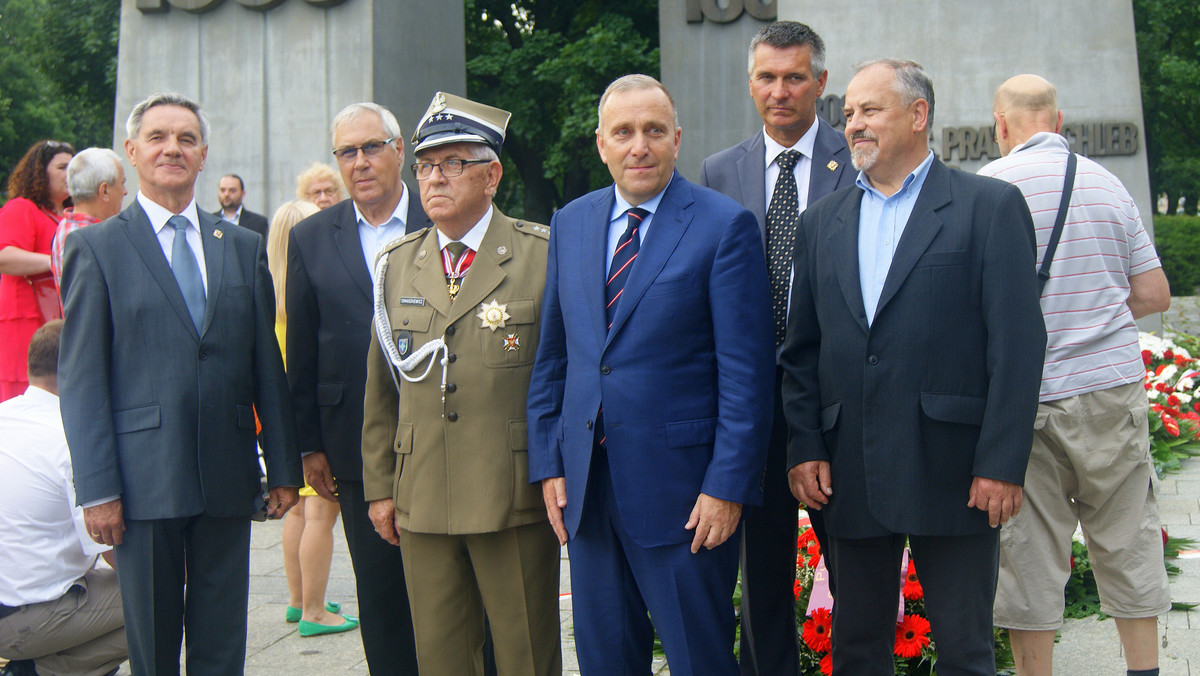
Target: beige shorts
pixel 1090 465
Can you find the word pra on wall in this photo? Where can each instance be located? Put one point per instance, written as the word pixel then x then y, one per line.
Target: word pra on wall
pixel 200 6
pixel 699 10
pixel 1090 139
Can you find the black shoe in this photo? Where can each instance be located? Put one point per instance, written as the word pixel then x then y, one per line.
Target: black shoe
pixel 19 668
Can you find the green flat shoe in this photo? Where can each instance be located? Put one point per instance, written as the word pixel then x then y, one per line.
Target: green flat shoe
pixel 293 615
pixel 308 629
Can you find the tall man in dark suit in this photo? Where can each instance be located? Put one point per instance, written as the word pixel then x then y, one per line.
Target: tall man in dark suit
pixel 649 405
pixel 168 349
pixel 787 76
pixel 331 258
pixel 232 190
pixel 912 365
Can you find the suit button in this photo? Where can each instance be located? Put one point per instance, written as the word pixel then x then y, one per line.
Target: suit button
pixel 203 355
pixel 451 388
pixel 451 357
pixel 452 416
pixel 589 424
pixel 449 330
pixel 872 360
pixel 604 370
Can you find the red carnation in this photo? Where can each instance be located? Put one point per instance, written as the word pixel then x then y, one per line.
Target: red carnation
pixel 1168 355
pixel 1172 401
pixel 1180 360
pixel 826 665
pixel 912 635
pixel 1196 406
pixel 1147 357
pixel 816 630
pixel 912 586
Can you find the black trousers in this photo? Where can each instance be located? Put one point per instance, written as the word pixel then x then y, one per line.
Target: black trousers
pixel 385 620
pixel 958 576
pixel 768 560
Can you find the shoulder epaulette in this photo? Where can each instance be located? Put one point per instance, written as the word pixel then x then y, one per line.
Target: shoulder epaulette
pixel 530 228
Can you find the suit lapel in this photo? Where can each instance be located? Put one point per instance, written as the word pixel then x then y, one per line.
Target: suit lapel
pixel 145 243
pixel 923 225
pixel 667 227
pixel 349 246
pixel 843 247
pixel 485 273
pixel 591 257
pixel 214 263
pixel 428 277
pixel 828 162
pixel 752 175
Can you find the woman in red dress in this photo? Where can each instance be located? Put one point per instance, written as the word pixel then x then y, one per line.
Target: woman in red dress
pixel 37 194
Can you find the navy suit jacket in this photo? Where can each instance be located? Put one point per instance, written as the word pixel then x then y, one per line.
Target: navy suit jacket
pixel 154 411
pixel 329 313
pixel 740 171
pixel 685 373
pixel 250 221
pixel 943 385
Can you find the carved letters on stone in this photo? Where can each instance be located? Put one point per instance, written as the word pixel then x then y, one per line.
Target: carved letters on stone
pixel 201 6
pixel 699 10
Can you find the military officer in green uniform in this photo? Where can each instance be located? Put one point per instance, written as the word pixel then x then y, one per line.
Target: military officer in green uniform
pixel 445 463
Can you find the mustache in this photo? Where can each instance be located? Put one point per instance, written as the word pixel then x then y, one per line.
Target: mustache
pixel 863 134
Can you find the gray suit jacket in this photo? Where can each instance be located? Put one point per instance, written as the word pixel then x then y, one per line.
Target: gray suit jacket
pixel 155 411
pixel 740 171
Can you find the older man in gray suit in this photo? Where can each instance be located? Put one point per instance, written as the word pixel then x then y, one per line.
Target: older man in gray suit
pixel 167 351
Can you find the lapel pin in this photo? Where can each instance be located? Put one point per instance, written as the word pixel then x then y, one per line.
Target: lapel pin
pixel 218 234
pixel 501 250
pixel 833 165
pixel 422 254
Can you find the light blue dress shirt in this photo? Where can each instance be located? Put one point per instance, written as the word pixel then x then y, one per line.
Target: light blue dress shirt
pixel 374 237
pixel 617 222
pixel 881 222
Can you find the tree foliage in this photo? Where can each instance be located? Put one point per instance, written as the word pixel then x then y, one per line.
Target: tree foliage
pixel 1168 44
pixel 59 65
pixel 547 62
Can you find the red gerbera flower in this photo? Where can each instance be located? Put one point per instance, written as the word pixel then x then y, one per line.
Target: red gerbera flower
pixel 816 630
pixel 912 586
pixel 912 635
pixel 797 589
pixel 826 665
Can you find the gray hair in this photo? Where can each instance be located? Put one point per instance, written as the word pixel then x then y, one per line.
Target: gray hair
pixel 353 111
pixel 133 126
pixel 784 34
pixel 911 82
pixel 88 169
pixel 482 151
pixel 635 82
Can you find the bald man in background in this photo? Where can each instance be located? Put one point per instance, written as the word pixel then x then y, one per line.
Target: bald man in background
pixel 1090 462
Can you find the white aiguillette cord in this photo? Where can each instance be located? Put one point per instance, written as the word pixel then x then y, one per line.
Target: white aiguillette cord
pixel 383 330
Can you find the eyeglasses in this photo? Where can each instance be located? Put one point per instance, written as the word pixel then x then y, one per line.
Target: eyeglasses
pixel 370 149
pixel 449 168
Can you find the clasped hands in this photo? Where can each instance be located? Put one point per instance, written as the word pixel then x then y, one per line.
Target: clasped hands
pixel 714 520
pixel 812 484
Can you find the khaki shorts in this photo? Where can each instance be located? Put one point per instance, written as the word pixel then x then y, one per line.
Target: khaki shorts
pixel 1090 465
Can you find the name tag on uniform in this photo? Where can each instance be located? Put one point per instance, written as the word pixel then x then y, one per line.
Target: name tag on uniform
pixel 412 300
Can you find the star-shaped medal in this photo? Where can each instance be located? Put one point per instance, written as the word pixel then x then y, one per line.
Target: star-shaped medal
pixel 493 315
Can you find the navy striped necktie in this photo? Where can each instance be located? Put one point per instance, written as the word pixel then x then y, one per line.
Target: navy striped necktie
pixel 622 262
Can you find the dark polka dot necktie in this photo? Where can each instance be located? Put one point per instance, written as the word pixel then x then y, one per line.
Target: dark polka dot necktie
pixel 783 217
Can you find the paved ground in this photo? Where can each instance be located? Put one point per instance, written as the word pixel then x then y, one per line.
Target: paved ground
pixel 1087 646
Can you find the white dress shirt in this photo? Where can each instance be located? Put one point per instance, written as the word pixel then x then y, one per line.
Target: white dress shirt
pixel 618 222
pixel 44 545
pixel 374 237
pixel 802 170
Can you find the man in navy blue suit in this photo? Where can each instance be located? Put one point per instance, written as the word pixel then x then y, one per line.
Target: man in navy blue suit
pixel 650 402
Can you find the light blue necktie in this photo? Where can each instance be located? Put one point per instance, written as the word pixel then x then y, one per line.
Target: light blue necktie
pixel 187 271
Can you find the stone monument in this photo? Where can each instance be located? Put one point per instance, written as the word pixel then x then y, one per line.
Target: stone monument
pixel 271 74
pixel 1085 47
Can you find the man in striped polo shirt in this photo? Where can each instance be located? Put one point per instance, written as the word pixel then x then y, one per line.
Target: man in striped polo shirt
pixel 1090 463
